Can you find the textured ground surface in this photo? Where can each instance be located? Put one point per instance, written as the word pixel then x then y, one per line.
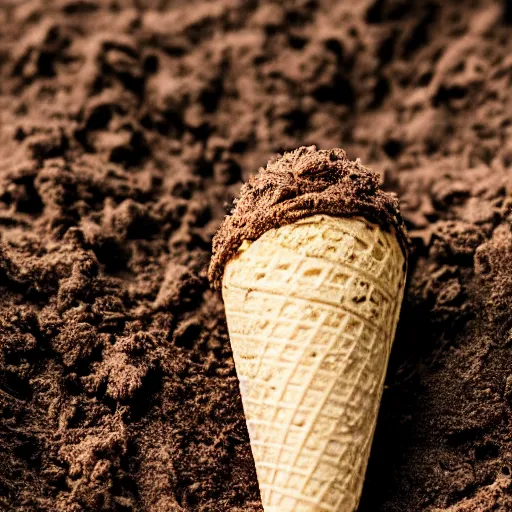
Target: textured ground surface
pixel 125 128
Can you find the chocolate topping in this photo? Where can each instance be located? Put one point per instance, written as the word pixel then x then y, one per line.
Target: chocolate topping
pixel 299 184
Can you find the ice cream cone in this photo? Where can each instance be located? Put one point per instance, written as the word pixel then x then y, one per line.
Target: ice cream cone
pixel 312 309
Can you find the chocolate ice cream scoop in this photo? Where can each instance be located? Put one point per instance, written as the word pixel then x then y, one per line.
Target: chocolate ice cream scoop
pixel 296 185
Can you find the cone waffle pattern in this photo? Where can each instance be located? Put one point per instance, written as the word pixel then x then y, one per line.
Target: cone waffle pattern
pixel 312 309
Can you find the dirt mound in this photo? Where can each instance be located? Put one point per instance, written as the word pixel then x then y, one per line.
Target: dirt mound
pixel 126 128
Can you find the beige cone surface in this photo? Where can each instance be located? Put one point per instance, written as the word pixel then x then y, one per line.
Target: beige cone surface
pixel 312 309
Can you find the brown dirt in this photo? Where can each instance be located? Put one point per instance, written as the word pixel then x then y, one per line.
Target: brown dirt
pixel 126 127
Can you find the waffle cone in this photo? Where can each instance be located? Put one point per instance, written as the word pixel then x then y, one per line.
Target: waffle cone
pixel 312 309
